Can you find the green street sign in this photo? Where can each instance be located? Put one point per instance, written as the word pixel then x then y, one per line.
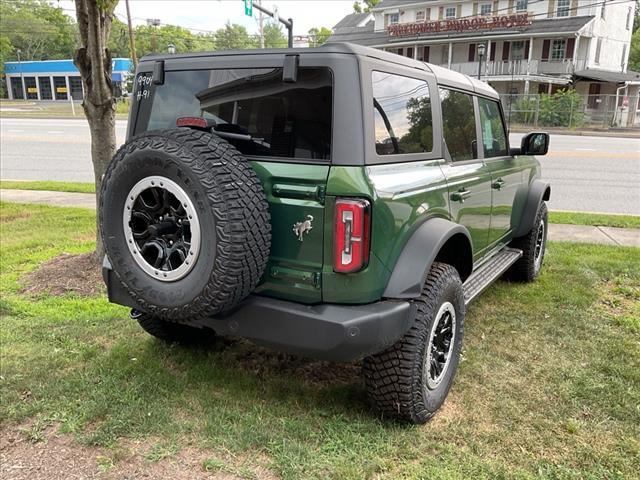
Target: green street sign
pixel 248 8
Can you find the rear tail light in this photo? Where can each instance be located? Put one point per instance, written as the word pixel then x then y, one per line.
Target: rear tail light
pixel 352 230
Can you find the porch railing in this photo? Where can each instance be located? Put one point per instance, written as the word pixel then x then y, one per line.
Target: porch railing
pixel 520 67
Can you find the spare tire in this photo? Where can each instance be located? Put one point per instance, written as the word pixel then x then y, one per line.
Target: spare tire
pixel 185 223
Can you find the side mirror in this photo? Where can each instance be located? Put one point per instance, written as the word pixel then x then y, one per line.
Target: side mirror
pixel 536 143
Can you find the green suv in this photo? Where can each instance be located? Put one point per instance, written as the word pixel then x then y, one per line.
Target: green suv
pixel 340 203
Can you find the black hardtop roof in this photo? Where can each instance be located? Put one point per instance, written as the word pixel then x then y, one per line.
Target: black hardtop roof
pixel 444 76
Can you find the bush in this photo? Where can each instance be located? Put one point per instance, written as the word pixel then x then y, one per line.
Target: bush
pixel 562 109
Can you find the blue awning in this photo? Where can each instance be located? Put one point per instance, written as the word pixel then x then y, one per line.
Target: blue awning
pixel 116 77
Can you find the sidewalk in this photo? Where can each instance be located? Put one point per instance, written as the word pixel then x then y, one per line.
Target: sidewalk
pixel 627 237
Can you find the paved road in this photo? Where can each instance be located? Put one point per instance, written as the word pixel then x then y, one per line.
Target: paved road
pixel 589 174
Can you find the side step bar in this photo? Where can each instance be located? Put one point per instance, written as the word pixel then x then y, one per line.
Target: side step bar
pixel 489 272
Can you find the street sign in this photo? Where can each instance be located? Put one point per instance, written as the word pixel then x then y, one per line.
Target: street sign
pixel 248 8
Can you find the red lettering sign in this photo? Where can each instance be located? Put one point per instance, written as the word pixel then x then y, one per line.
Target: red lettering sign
pixel 459 25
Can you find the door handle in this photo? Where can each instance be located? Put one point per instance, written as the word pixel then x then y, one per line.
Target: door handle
pixel 460 195
pixel 498 184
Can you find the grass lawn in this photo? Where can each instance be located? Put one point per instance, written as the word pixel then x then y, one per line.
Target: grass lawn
pixel 81 187
pixel 52 109
pixel 598 219
pixel 548 387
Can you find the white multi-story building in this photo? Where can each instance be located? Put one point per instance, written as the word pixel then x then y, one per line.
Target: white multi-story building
pixel 520 46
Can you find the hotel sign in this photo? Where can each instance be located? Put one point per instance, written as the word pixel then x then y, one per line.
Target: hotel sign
pixel 459 25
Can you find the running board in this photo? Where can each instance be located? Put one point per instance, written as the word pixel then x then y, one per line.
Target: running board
pixel 489 272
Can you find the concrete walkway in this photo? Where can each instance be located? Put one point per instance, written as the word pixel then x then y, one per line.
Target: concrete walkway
pixel 628 237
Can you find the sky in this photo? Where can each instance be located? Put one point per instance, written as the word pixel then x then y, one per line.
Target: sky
pixel 213 14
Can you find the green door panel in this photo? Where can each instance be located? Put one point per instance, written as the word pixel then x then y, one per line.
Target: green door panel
pixel 469 186
pixel 506 179
pixel 403 195
pixel 294 191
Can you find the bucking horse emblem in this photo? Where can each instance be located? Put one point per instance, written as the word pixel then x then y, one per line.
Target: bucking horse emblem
pixel 300 228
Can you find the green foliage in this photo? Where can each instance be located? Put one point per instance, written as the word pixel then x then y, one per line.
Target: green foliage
pixel 360 6
pixel 320 36
pixel 524 110
pixel 562 109
pixel 419 138
pixel 233 36
pixel 150 39
pixel 634 51
pixel 38 29
pixel 273 36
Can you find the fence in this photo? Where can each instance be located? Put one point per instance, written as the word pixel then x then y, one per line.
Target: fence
pixel 571 110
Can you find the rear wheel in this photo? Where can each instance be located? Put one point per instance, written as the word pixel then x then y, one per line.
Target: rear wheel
pixel 411 379
pixel 533 246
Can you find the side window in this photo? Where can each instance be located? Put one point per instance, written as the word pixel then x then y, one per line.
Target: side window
pixel 494 138
pixel 402 114
pixel 459 125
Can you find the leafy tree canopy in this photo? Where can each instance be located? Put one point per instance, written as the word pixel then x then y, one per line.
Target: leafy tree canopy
pixel 360 6
pixel 320 36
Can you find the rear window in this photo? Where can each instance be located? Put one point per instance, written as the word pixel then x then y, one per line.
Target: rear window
pixel 259 113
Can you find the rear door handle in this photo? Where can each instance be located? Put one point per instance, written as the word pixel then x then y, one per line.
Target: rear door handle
pixel 498 184
pixel 460 195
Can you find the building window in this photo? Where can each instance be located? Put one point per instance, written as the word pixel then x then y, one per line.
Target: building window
pixel 623 62
pixel 598 48
pixel 402 114
pixel 603 10
pixel 394 18
pixel 517 50
pixel 558 49
pixel 521 6
pixel 563 8
pixel 629 18
pixel 420 16
pixel 450 12
pixel 485 9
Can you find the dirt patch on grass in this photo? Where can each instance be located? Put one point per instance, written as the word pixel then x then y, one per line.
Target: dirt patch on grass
pixel 61 457
pixel 79 274
pixel 261 361
pixel 10 217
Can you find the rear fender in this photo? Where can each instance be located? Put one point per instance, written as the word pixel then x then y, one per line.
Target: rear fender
pixel 539 191
pixel 436 239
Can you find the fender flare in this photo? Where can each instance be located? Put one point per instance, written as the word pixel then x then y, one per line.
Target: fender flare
pixel 539 191
pixel 419 253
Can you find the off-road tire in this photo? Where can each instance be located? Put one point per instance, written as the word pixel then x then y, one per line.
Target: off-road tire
pixel 394 378
pixel 231 207
pixel 528 267
pixel 172 332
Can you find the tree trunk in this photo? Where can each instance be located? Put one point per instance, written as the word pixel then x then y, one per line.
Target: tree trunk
pixel 94 63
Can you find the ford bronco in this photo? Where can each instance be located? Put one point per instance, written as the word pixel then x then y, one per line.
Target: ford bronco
pixel 340 203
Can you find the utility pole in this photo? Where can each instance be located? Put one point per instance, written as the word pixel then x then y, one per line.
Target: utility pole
pixel 287 22
pixel 132 38
pixel 154 22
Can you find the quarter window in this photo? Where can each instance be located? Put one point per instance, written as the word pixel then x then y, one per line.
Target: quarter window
pixel 485 9
pixel 450 12
pixel 558 49
pixel 563 8
pixel 402 114
pixel 494 138
pixel 459 125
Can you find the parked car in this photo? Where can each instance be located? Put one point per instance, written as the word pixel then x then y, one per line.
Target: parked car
pixel 340 203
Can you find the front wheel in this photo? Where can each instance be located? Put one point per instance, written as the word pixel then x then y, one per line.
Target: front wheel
pixel 533 246
pixel 411 379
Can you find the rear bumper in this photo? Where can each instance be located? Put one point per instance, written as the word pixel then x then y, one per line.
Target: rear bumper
pixel 333 332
